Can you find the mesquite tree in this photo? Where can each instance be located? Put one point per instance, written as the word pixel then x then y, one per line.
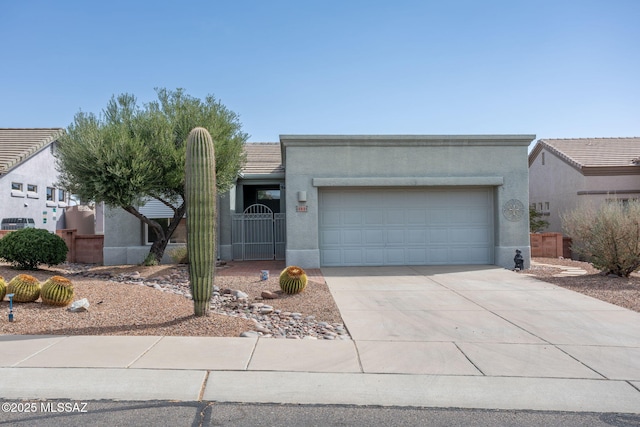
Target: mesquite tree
pixel 130 154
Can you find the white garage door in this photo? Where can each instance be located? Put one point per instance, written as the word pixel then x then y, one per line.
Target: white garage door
pixel 403 226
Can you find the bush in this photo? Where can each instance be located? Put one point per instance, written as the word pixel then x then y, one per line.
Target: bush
pixel 179 255
pixel 608 236
pixel 29 247
pixel 536 224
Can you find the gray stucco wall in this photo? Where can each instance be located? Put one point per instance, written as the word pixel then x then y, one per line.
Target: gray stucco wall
pixel 39 170
pixel 564 188
pixel 314 161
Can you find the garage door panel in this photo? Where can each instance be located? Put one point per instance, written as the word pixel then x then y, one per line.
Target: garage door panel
pixel 395 256
pixel 395 217
pixel 374 237
pixel 417 237
pixel 374 256
pixel 352 237
pixel 374 217
pixel 352 217
pixel 332 257
pixel 329 218
pixel 330 238
pixel 396 237
pixel 405 226
pixel 437 255
pixel 352 256
pixel 438 235
pixel 438 216
pixel 416 217
pixel 416 256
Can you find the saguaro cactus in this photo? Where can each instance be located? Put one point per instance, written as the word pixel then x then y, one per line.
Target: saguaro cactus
pixel 200 193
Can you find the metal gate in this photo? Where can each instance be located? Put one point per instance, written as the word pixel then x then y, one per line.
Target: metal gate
pixel 258 234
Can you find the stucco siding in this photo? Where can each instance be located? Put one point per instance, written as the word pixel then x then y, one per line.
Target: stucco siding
pixel 38 170
pixel 397 158
pixel 563 188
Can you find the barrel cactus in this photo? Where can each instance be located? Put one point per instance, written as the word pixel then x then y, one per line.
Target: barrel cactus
pixel 3 288
pixel 200 196
pixel 24 287
pixel 293 280
pixel 57 290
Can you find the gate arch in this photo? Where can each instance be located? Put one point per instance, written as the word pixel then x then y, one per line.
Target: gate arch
pixel 258 234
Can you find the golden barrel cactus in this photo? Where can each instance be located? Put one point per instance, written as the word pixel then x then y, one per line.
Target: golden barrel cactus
pixel 293 280
pixel 57 290
pixel 24 287
pixel 3 288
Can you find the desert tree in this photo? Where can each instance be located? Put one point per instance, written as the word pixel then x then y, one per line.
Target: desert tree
pixel 129 154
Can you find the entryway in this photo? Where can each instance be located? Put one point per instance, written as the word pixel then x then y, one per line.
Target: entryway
pixel 258 234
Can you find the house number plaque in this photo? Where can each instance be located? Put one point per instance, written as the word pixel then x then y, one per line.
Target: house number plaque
pixel 513 210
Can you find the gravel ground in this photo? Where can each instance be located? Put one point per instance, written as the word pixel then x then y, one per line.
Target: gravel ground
pixel 621 291
pixel 130 309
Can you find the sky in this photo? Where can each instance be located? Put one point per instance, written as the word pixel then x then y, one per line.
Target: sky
pixel 554 69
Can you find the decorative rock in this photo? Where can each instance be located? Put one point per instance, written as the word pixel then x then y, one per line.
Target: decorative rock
pixel 269 295
pixel 268 322
pixel 240 295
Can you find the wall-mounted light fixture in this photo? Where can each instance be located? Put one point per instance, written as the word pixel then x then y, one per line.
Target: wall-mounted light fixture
pixel 302 196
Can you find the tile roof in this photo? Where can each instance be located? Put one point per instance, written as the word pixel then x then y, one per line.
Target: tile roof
pixel 17 145
pixel 263 158
pixel 595 152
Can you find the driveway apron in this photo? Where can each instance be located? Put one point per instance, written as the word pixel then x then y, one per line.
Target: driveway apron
pixel 482 320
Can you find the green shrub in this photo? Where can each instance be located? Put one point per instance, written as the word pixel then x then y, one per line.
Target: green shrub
pixel 536 224
pixel 150 260
pixel 29 247
pixel 607 236
pixel 179 255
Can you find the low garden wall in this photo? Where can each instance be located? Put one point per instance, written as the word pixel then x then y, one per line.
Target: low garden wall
pixel 83 248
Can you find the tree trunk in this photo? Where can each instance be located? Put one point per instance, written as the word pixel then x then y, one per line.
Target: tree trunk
pixel 160 245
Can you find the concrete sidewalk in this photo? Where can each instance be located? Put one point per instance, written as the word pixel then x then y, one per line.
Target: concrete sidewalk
pixel 467 337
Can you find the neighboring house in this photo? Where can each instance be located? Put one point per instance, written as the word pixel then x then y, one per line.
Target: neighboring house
pixel 329 200
pixel 565 174
pixel 28 177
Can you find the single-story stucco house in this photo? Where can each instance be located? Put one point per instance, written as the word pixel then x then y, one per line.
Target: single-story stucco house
pixel 364 200
pixel 564 174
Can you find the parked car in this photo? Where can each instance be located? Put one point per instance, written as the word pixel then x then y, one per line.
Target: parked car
pixel 17 223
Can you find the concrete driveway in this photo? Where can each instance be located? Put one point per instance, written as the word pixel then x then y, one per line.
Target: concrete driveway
pixel 484 321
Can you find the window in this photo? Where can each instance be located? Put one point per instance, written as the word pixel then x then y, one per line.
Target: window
pixel 268 195
pixel 32 188
pixel 543 158
pixel 61 195
pixel 546 206
pixel 16 186
pixel 179 236
pixel 50 192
